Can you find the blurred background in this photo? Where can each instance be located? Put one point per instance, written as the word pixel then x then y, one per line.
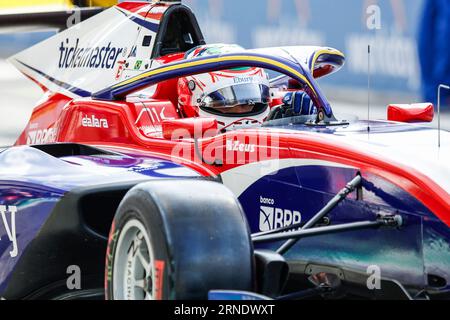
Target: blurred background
pixel 409 40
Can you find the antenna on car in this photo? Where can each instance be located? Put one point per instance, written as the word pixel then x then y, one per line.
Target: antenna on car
pixel 442 86
pixel 368 88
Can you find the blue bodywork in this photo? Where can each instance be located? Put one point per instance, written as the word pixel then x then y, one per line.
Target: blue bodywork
pixel 411 254
pixel 34 182
pixel 398 253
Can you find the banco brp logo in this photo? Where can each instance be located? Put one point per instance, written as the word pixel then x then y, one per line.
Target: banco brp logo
pixel 271 218
pixel 266 218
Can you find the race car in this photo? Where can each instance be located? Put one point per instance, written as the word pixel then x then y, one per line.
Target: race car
pixel 142 175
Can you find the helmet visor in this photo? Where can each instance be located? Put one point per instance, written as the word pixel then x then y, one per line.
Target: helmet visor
pixel 229 98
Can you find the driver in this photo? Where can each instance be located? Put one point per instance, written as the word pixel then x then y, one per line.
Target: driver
pixel 237 98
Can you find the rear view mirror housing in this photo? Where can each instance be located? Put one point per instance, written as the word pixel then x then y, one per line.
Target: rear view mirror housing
pixel 410 113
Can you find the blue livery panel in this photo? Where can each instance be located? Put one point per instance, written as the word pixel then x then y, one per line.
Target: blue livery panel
pixel 295 194
pixel 23 211
pixel 33 182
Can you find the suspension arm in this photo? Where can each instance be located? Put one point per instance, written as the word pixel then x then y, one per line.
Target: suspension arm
pixel 389 221
pixel 333 203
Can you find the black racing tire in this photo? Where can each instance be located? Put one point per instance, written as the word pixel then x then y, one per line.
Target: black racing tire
pixel 194 233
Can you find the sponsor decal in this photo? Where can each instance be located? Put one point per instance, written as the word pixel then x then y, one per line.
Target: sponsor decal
pixel 93 122
pixel 241 147
pixel 113 235
pixel 41 136
pixel 129 280
pixel 120 68
pixel 268 201
pixel 133 52
pixel 153 113
pixel 158 279
pixel 138 65
pixel 10 227
pixel 100 57
pixel 272 218
pixel 239 80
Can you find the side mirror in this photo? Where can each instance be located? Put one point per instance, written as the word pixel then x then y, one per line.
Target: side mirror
pixel 189 128
pixel 272 272
pixel 409 113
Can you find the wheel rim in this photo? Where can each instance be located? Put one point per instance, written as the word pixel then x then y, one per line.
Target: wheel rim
pixel 133 264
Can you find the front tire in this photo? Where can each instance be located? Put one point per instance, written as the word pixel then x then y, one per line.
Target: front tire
pixel 178 240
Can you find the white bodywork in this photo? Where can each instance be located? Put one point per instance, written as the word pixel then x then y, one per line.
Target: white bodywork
pixel 91 55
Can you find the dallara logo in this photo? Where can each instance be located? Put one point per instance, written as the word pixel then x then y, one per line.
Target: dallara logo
pixel 94 122
pixel 271 218
pixel 100 57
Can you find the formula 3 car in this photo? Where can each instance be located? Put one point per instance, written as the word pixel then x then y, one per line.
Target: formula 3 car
pixel 109 178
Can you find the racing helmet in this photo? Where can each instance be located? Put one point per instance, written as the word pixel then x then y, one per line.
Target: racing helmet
pixel 236 98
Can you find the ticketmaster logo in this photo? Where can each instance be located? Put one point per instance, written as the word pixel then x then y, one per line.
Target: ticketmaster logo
pixel 73 56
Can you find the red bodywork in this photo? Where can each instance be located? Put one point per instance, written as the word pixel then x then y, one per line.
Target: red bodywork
pixel 136 127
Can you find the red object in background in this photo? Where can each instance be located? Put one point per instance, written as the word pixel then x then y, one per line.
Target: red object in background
pixel 419 112
pixel 189 128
